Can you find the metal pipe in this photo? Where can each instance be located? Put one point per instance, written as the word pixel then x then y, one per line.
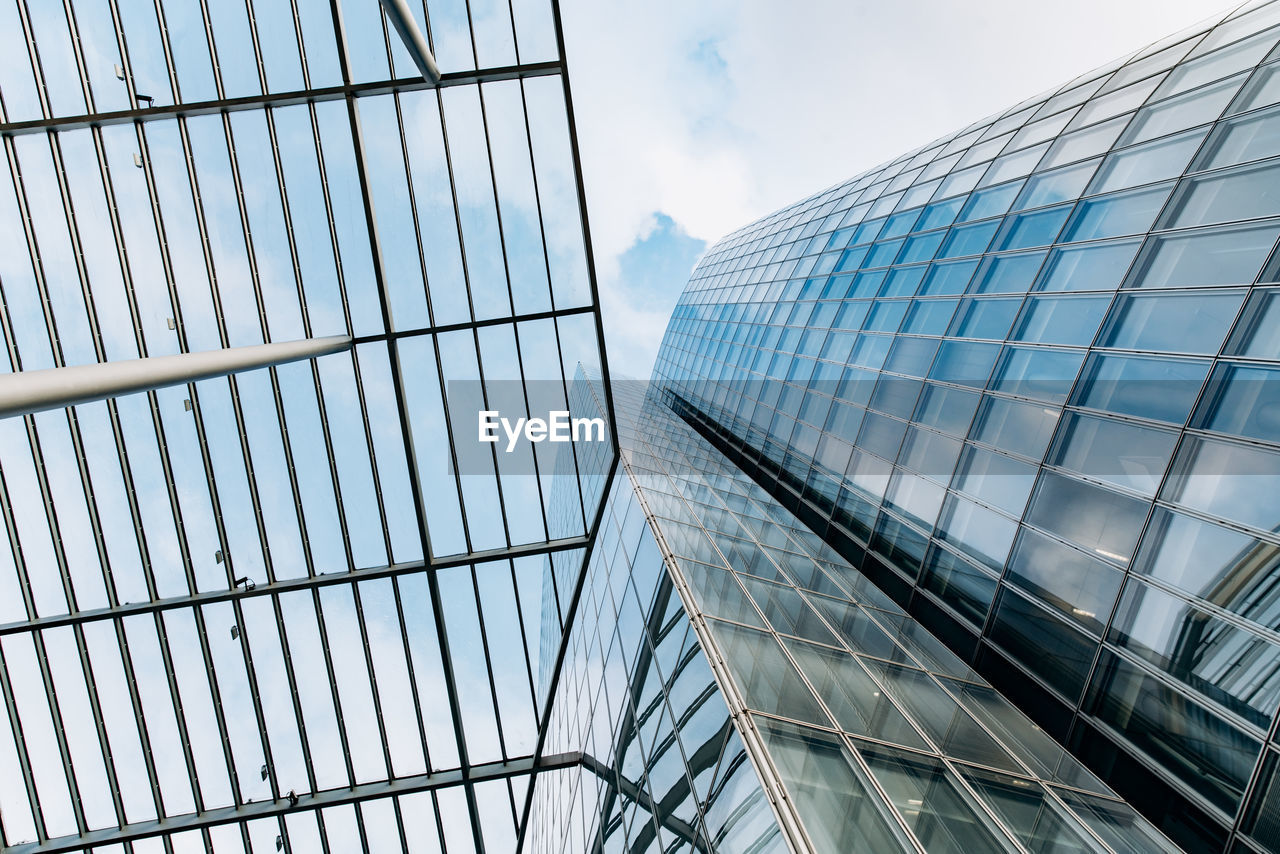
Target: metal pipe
pixel 54 388
pixel 402 19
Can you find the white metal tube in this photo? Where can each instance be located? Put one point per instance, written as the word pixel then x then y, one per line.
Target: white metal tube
pixel 402 19
pixel 54 388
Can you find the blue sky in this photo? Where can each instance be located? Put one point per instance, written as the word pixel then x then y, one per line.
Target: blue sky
pixel 695 118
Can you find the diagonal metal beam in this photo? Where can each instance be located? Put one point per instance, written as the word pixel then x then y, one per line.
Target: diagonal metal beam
pixel 402 19
pixel 282 805
pixel 281 99
pixel 54 388
pixel 126 609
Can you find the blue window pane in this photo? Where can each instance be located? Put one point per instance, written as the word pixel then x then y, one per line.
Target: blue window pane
pixel 985 318
pixel 1060 185
pixel 945 279
pixel 1217 256
pixel 991 201
pixel 886 316
pixel 1238 483
pixel 1146 164
pixel 1033 229
pixel 911 356
pixel 867 232
pixel 882 254
pixel 851 315
pixel 1080 587
pixel 1243 139
pixel 851 259
pixel 995 479
pixel 929 317
pixel 866 284
pixel 1177 322
pixel 1159 389
pixel 983 534
pixel 1117 452
pixel 1103 523
pixel 968 240
pixel 1258 330
pixel 1131 212
pixel 1062 320
pixel 921 247
pixel 1243 400
pixel 1032 372
pixel 964 362
pixel 899 224
pixel 1004 274
pixel 902 282
pixel 1211 562
pixel 945 408
pixel 1094 267
pixel 1184 111
pixel 940 214
pixel 1246 192
pixel 1015 426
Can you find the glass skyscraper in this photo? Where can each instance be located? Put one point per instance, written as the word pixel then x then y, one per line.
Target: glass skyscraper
pixel 947 522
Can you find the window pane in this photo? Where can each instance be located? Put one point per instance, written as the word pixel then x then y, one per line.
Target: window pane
pixel 1161 389
pixel 985 318
pixel 1061 320
pixel 1117 452
pixel 1230 666
pixel 1217 256
pixel 1095 267
pixel 1219 565
pixel 1130 212
pixel 1230 481
pixel 1145 164
pixel 1184 111
pixel 1191 322
pixel 995 479
pixel 1103 522
pixel 1082 588
pixel 1243 139
pixel 1258 330
pixel 1207 754
pixel 1014 426
pixel 1246 192
pixel 1031 372
pixel 1242 400
pixel 948 278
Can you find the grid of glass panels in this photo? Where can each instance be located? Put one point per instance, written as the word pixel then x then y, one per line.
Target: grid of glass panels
pixel 1026 378
pixel 267 607
pixel 663 767
pixel 877 737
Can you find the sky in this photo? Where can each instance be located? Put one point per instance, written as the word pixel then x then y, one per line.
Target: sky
pixel 695 118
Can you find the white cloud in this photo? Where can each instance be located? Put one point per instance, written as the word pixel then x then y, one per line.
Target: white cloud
pixel 717 112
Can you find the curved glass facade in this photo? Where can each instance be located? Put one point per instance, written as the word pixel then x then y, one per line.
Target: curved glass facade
pixel 1025 379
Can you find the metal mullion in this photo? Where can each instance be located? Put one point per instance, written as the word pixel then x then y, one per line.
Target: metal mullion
pixel 457 214
pixel 123 45
pixel 302 47
pixel 282 636
pixel 144 736
pixel 359 815
pixel 255 695
pixel 213 49
pixel 59 730
pixel 20 747
pixel 33 248
pixel 413 679
pixel 588 253
pixel 256 45
pixel 373 680
pixel 33 56
pixel 493 449
pixel 524 643
pixel 287 216
pixel 216 696
pixel 180 718
pixel 73 32
pixel 373 458
pixel 339 508
pixel 333 685
pixel 413 209
pixel 162 239
pixel 488 662
pixel 51 518
pixel 95 706
pixel 117 234
pixel 175 89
